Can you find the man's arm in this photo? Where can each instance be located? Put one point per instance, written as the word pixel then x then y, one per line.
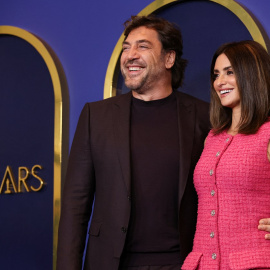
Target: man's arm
pixel 264 225
pixel 78 195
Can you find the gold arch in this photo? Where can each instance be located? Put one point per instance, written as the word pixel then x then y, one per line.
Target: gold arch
pixel 59 86
pixel 237 9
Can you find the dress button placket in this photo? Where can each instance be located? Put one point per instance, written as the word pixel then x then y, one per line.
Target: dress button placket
pixel 213 211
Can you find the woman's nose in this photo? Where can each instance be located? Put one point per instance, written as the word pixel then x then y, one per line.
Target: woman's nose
pixel 220 80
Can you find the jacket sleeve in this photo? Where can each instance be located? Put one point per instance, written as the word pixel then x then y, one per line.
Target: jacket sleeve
pixel 77 200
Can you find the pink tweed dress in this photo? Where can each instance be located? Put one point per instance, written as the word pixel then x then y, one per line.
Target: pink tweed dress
pixel 232 179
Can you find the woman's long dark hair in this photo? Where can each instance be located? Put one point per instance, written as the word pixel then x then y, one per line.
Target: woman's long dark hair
pixel 251 66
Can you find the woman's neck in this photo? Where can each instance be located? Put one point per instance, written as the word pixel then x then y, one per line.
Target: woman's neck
pixel 236 116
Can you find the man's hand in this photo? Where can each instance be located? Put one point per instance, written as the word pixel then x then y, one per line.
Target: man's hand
pixel 264 225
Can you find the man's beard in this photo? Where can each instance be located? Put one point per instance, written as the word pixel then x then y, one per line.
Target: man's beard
pixel 141 85
pixel 136 86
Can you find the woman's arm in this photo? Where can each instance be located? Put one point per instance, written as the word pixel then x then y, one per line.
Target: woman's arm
pixel 264 224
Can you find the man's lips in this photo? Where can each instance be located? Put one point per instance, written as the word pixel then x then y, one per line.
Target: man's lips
pixel 134 71
pixel 134 68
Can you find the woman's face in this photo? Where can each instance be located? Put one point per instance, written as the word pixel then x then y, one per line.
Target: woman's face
pixel 225 83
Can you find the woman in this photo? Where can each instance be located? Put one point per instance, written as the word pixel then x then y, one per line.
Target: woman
pixel 232 177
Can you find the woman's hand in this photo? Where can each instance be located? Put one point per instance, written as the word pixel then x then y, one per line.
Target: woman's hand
pixel 264 225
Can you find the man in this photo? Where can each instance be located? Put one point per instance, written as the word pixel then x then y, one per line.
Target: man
pixel 134 156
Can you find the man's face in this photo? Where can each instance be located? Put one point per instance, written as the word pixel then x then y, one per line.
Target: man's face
pixel 143 60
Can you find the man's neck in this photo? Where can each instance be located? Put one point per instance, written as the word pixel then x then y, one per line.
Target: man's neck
pixel 154 95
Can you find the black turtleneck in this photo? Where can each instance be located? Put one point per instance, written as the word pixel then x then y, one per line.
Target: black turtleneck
pixel 153 237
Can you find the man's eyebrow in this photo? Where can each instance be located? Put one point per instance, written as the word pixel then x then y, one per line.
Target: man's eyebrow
pixel 138 42
pixel 144 41
pixel 125 43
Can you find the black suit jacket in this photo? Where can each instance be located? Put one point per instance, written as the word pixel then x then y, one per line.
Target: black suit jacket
pixel 99 171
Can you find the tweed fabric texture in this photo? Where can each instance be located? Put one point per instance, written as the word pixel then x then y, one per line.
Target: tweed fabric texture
pixel 232 179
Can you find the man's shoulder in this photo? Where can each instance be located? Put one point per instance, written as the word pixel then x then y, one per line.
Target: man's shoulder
pixel 200 107
pixel 111 100
pixel 186 98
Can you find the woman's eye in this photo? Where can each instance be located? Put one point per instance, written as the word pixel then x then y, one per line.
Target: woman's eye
pixel 215 75
pixel 229 72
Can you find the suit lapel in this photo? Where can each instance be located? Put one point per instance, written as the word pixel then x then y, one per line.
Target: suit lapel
pixel 186 123
pixel 121 116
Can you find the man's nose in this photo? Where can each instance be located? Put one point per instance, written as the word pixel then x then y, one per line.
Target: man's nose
pixel 133 53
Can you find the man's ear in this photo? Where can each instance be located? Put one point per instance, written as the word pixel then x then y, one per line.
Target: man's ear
pixel 170 59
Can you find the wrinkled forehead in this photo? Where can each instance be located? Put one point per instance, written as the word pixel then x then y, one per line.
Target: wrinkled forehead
pixel 143 33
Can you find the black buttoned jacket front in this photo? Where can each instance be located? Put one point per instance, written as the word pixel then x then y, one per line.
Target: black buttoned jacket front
pixel 99 170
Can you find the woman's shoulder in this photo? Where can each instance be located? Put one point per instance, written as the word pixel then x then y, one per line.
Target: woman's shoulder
pixel 265 127
pixel 213 136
